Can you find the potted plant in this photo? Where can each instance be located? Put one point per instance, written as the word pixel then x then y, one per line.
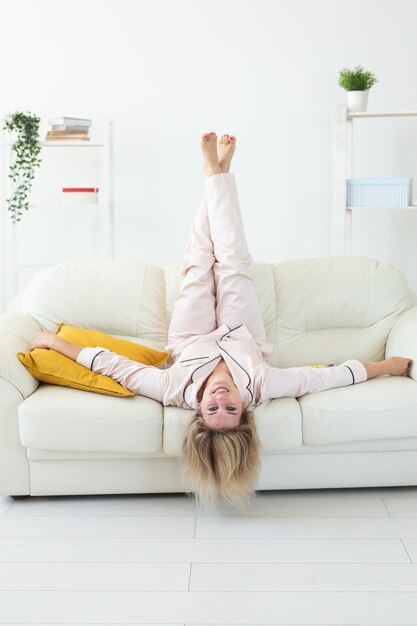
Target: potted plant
pixel 26 147
pixel 357 83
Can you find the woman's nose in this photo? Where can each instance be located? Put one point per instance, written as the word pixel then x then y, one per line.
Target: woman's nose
pixel 221 397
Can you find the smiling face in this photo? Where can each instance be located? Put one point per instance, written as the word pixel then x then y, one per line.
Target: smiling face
pixel 221 405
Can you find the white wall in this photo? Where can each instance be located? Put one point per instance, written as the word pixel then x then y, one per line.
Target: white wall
pixel 166 71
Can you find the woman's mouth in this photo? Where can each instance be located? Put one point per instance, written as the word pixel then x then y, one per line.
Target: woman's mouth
pixel 220 389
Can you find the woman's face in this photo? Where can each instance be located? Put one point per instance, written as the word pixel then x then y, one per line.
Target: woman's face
pixel 221 405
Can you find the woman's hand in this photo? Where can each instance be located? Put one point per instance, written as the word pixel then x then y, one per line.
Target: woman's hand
pixel 42 339
pixel 397 365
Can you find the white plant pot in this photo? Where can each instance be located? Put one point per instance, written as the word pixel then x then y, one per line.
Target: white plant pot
pixel 357 101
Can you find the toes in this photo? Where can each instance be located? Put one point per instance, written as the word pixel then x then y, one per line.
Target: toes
pixel 209 136
pixel 228 139
pixel 223 139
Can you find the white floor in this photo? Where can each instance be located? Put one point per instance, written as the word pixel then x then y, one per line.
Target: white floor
pixel 335 556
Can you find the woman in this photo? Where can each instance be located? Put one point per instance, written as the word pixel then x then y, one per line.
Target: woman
pixel 218 348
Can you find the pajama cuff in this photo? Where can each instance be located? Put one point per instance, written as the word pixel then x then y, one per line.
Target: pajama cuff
pixel 222 178
pixel 357 370
pixel 87 355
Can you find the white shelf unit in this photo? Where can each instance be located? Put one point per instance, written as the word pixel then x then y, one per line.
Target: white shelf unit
pixel 103 211
pixel 343 169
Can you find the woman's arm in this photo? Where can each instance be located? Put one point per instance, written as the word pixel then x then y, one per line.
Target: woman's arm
pixel 144 380
pixel 297 381
pixel 43 339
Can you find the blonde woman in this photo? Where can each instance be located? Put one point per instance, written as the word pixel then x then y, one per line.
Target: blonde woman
pixel 218 348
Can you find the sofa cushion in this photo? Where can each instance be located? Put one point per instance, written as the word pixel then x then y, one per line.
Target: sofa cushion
pixel 60 418
pixel 278 424
pixel 374 445
pixel 380 408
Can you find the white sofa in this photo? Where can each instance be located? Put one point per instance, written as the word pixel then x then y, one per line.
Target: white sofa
pixel 56 441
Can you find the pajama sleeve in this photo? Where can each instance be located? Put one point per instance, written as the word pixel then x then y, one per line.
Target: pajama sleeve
pixel 297 381
pixel 144 380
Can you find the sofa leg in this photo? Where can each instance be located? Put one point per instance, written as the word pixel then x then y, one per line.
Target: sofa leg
pixel 18 497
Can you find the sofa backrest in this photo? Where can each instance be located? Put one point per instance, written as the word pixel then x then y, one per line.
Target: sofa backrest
pixel 331 309
pixel 314 310
pixel 121 298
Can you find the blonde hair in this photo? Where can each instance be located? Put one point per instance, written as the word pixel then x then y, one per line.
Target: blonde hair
pixel 221 463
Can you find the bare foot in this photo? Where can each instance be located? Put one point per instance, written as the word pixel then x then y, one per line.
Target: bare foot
pixel 209 149
pixel 225 150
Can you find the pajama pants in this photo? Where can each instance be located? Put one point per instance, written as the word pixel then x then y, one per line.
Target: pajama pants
pixel 217 287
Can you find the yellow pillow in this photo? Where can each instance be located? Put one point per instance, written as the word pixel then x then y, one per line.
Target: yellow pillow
pixel 53 367
pixel 321 364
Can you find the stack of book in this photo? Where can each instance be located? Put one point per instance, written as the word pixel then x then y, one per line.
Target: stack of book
pixel 69 129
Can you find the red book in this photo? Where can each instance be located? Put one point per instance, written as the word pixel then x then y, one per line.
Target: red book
pixel 81 189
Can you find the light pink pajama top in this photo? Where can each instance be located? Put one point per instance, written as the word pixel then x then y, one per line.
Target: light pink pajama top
pixel 197 356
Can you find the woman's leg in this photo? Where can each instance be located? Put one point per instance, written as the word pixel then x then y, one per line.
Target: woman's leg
pixel 194 310
pixel 237 301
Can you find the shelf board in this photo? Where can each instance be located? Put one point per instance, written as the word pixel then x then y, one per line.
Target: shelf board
pixel 78 144
pixel 382 208
pixel 381 114
pixel 63 207
pixel 67 144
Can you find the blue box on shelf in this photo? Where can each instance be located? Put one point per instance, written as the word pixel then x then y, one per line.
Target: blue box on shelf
pixel 379 192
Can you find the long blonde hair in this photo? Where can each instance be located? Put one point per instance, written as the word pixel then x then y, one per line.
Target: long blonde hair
pixel 221 464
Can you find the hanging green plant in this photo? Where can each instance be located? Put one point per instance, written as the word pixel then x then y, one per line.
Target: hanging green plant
pixel 27 150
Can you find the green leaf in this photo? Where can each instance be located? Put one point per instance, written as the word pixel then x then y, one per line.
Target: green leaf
pixel 27 148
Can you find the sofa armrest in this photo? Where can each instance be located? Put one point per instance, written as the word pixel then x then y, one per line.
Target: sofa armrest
pixel 16 334
pixel 402 340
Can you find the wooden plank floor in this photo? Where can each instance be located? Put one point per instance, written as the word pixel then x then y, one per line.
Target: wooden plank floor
pixel 322 557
